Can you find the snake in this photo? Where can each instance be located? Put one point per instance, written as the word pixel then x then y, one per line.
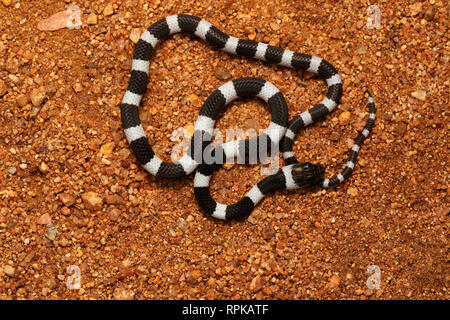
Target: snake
pixel 280 132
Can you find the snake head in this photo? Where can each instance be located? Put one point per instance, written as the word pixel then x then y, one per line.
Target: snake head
pixel 307 174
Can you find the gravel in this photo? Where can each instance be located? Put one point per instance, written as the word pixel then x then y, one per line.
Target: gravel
pixel 11 170
pixel 38 96
pixel 91 19
pixel 420 95
pixel 306 244
pixel 9 271
pixel 92 201
pixel 51 232
pixel 67 198
pixel 3 88
pixel 44 219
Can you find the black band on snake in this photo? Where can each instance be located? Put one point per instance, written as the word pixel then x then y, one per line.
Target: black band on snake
pixel 279 132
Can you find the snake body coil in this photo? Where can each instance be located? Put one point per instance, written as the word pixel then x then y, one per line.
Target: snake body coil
pixel 279 132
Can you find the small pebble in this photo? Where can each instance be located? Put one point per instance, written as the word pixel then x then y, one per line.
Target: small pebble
pixel 194 99
pixel 91 19
pixel 334 282
pixel 429 14
pixel 135 35
pixel 415 8
pixel 344 117
pixel 52 232
pixel 107 148
pixel 228 166
pixel 336 34
pixel 37 96
pixel 114 214
pixel 182 224
pixel 223 74
pixel 275 26
pixel 268 233
pixel 67 199
pixel 172 232
pixel 65 211
pixel 129 248
pixel 114 199
pixel 64 19
pixel 352 191
pixel 361 48
pixel 35 111
pixel 444 211
pixel 43 167
pixel 109 10
pixel 123 294
pixel 124 153
pixel 64 242
pixel 44 219
pixel 22 100
pixel 77 87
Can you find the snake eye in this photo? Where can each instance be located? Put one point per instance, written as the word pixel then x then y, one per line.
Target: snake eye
pixel 306 174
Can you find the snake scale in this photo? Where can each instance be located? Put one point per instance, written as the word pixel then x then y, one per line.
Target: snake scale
pixel 280 133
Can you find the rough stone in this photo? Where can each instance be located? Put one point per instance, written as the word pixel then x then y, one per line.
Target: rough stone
pixel 92 201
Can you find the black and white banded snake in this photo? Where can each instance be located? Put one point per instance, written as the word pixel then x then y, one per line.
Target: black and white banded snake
pixel 279 133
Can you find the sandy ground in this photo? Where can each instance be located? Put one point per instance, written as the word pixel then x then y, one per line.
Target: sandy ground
pixel 72 194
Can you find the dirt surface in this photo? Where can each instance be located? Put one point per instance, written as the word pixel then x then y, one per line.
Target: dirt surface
pixel 72 194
